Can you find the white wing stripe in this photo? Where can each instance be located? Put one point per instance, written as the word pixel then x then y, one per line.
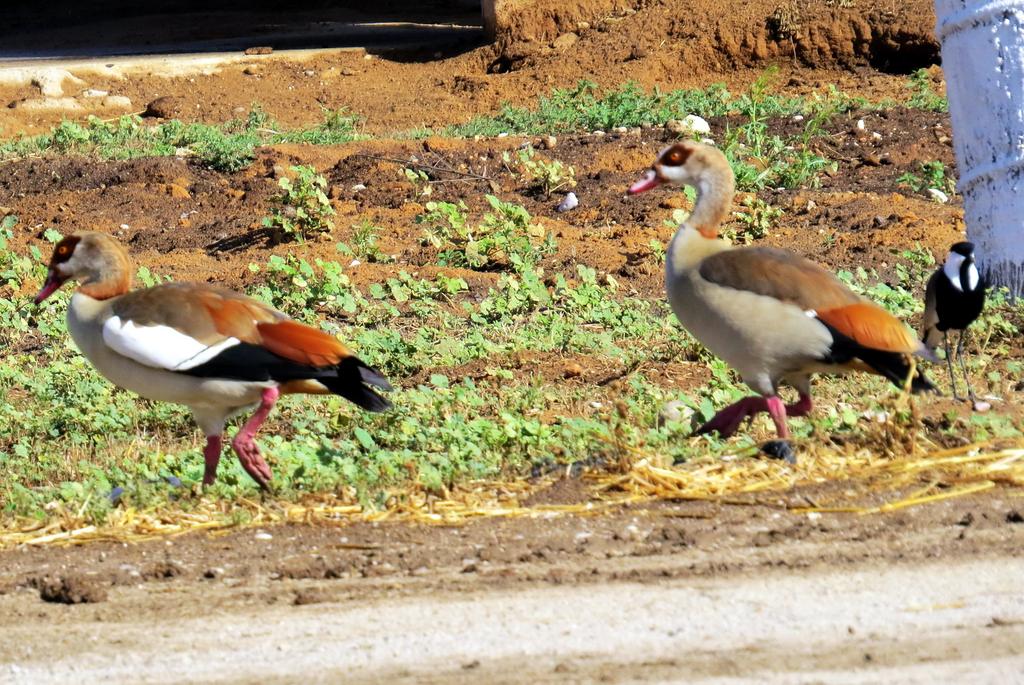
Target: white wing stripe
pixel 161 347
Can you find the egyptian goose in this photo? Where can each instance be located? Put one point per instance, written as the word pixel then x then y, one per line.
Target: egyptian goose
pixel 772 315
pixel 211 349
pixel 953 299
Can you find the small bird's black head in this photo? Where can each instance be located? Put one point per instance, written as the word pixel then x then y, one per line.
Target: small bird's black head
pixel 964 248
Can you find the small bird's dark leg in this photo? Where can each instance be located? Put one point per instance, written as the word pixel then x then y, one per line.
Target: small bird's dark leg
pixel 949 364
pixel 963 366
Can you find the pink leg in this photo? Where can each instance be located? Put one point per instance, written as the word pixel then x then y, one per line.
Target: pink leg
pixel 729 419
pixel 211 454
pixel 801 407
pixel 244 445
pixel 777 410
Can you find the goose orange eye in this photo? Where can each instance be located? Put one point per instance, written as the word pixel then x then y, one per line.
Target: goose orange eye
pixel 62 250
pixel 675 157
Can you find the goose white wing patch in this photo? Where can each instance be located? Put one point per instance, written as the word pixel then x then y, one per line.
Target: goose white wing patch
pixel 160 347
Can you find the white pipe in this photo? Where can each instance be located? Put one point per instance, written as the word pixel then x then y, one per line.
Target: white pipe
pixel 983 61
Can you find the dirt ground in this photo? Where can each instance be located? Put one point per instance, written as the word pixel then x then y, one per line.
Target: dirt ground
pixel 694 591
pixel 660 592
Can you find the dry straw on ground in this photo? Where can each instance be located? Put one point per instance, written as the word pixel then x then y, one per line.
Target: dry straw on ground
pixel 822 481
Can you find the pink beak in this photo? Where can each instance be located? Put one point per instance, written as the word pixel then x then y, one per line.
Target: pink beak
pixel 649 180
pixel 53 282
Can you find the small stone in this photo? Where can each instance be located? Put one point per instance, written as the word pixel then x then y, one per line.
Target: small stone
pixel 582 25
pixel 95 93
pixel 259 50
pixel 348 72
pixel 638 52
pixel 117 102
pixel 164 107
pixel 981 406
pixel 861 125
pixel 675 410
pixel 798 117
pixel 565 41
pixel 358 187
pixel 568 203
pixel 309 72
pixel 548 143
pixel 938 195
pixel 690 125
pixel 870 159
pixel 597 132
pixel 67 103
pixel 875 135
pixel 263 535
pixel 310 596
pixel 176 191
pixel 572 370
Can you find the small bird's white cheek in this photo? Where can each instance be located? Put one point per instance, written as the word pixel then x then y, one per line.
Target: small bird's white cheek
pixel 952 269
pixel 972 277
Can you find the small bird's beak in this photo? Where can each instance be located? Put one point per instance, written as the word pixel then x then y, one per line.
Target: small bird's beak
pixel 649 180
pixel 54 281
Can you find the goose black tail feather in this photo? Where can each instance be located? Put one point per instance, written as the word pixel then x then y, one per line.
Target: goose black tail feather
pixel 352 383
pixel 247 362
pixel 893 365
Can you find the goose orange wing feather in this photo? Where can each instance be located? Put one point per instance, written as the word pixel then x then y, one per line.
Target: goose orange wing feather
pixel 871 326
pixel 301 343
pixel 791 278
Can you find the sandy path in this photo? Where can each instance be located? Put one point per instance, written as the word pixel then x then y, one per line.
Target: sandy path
pixel 943 621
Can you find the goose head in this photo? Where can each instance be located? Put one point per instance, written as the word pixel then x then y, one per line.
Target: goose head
pixel 95 260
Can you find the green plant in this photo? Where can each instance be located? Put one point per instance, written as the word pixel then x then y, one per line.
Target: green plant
pixel 546 176
pixel 364 243
pixel 505 235
pixel 229 147
pixel 419 180
pixel 443 224
pixel 932 175
pixel 757 219
pixel 657 250
pixel 304 208
pixel 922 95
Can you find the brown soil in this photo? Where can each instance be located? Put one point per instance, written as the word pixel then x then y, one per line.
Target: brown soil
pixel 196 224
pixel 653 43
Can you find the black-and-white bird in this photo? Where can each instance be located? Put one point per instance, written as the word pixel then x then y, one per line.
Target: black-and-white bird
pixel 953 299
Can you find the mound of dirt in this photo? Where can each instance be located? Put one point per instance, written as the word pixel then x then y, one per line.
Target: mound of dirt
pixel 71 589
pixel 697 36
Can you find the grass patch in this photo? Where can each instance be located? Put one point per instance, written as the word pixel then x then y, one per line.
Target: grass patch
pixel 68 438
pixel 228 147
